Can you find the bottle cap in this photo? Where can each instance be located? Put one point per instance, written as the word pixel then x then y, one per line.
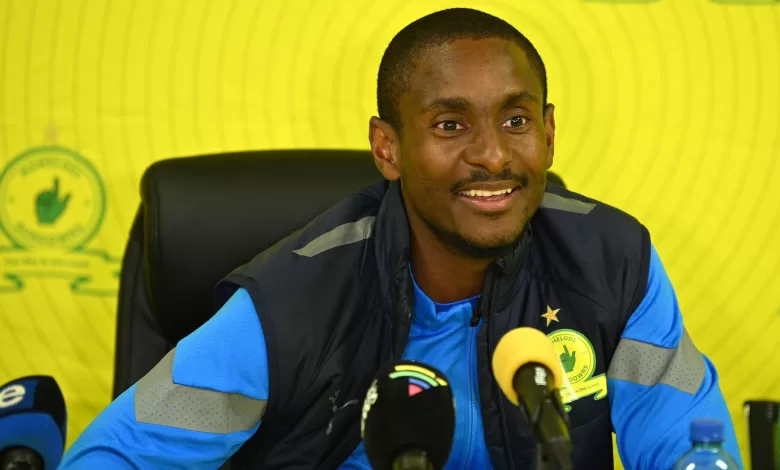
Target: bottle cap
pixel 706 430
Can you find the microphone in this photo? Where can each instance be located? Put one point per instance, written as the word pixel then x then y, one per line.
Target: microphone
pixel 529 373
pixel 408 419
pixel 32 424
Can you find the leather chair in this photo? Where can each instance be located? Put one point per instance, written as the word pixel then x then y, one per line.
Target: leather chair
pixel 201 217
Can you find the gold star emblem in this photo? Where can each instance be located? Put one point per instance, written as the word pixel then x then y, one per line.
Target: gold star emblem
pixel 551 315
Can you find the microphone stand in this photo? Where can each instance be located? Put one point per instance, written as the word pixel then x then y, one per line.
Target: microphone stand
pixel 541 461
pixel 551 433
pixel 553 453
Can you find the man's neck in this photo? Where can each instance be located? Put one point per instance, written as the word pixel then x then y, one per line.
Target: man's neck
pixel 444 275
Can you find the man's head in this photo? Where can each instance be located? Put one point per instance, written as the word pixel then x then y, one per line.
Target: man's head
pixel 464 124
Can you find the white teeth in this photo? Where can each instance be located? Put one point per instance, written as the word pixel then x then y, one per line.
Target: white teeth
pixel 481 193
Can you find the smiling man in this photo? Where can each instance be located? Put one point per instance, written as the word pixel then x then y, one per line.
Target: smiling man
pixel 462 242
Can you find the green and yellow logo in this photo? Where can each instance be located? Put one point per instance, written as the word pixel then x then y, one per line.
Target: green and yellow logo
pixel 52 204
pixel 578 360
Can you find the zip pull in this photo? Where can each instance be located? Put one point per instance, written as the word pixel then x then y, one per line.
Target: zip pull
pixel 482 309
pixel 496 270
pixel 335 409
pixel 475 318
pixel 477 314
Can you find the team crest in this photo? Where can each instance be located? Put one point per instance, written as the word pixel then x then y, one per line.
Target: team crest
pixel 54 200
pixel 578 360
pixel 53 204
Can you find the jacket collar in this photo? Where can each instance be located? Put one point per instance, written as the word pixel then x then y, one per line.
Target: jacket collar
pixel 392 256
pixel 505 273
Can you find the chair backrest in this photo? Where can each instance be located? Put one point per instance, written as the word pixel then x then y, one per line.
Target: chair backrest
pixel 201 217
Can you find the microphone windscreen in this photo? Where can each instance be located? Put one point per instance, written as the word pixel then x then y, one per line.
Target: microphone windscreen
pixel 519 347
pixel 32 415
pixel 409 406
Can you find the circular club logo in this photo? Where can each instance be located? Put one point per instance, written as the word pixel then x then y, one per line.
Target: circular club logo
pixel 53 199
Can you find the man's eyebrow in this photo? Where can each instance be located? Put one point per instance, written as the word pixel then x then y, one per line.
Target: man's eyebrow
pixel 515 99
pixel 461 104
pixel 453 104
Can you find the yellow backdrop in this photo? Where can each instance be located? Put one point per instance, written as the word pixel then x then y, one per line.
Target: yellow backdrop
pixel 669 109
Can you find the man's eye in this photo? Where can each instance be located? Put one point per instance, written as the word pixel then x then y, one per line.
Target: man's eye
pixel 449 126
pixel 516 121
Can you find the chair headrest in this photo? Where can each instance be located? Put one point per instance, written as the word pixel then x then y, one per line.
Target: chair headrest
pixel 206 215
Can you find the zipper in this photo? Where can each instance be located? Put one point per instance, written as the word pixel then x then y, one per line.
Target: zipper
pixel 490 349
pixel 472 409
pixel 335 409
pixel 475 317
pixel 490 282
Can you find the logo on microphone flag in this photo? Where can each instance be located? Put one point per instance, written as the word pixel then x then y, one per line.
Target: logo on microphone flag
pixel 578 361
pixel 420 378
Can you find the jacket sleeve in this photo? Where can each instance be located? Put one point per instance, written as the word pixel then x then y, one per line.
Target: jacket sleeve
pixel 658 382
pixel 194 409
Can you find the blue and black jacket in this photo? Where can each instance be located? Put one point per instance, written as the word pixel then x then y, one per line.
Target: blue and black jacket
pixel 276 377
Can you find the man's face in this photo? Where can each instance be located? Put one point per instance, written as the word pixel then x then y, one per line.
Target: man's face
pixel 475 144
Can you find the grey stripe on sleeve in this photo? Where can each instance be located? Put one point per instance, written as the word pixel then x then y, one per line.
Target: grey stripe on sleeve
pixel 556 202
pixel 344 234
pixel 160 401
pixel 646 364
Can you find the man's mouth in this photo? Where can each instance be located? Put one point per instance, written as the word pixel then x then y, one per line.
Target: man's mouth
pixel 486 193
pixel 488 200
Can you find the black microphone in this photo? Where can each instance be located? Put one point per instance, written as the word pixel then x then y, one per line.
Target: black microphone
pixel 408 420
pixel 530 373
pixel 32 424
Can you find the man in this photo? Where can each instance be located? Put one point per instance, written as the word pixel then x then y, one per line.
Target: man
pixel 459 245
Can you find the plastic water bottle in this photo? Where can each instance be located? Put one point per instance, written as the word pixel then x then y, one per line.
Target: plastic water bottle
pixel 707 451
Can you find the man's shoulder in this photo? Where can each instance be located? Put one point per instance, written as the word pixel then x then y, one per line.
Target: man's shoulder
pixel 563 210
pixel 592 247
pixel 340 231
pixel 351 220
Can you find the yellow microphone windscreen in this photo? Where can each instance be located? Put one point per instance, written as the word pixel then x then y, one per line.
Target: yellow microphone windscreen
pixel 519 347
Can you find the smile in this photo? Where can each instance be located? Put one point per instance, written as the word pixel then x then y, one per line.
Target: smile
pixel 488 201
pixel 483 193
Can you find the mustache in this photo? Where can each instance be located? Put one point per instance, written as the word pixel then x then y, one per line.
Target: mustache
pixel 483 177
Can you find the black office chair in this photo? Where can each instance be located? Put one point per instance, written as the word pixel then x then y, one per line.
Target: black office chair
pixel 201 217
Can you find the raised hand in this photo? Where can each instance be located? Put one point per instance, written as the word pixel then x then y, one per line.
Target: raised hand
pixel 568 359
pixel 49 206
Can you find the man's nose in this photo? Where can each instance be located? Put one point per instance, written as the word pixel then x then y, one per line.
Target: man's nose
pixel 491 151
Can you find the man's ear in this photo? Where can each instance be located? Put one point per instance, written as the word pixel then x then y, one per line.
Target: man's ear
pixel 549 132
pixel 384 146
